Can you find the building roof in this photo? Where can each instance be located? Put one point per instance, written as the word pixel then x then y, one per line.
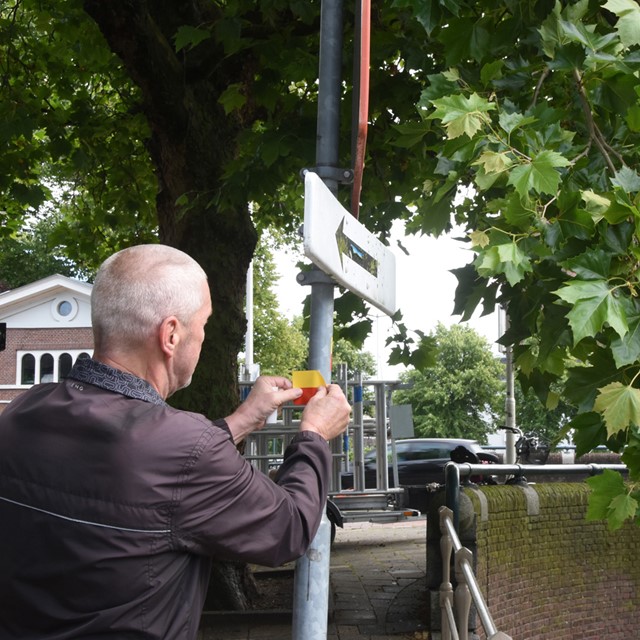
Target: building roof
pixel 55 302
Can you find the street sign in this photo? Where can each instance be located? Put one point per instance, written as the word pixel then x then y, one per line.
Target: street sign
pixel 342 247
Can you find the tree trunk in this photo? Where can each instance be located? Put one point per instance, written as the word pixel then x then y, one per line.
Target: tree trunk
pixel 191 140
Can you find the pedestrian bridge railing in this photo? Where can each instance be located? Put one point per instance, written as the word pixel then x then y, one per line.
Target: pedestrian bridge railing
pixel 455 605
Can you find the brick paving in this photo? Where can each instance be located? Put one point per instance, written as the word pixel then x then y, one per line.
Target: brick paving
pixel 377 584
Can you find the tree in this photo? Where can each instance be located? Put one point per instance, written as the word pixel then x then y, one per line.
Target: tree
pixel 344 352
pixel 532 416
pixel 537 118
pixel 462 394
pixel 280 345
pixel 27 256
pixel 210 106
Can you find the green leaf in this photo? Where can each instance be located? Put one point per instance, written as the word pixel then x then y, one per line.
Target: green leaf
pixel 410 134
pixel 491 71
pixel 516 212
pixel 232 98
pixel 580 33
pixel 514 262
pixel 626 349
pixel 595 204
pixel 631 456
pixel 190 37
pixel 494 162
pixel 462 115
pixel 479 239
pixel 609 499
pixel 620 407
pixel 512 121
pixel 424 355
pixel 539 175
pixel 627 179
pixel 628 25
pixel 633 118
pixel 594 304
pixel 572 224
pixel 583 382
pixel 589 432
pixel 427 13
pixel 590 265
pixel 622 507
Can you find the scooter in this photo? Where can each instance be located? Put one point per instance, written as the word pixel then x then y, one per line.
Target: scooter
pixel 530 447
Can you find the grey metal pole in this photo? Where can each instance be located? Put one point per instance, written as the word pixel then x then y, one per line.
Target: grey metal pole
pixel 311 583
pixel 358 434
pixel 382 461
pixel 510 405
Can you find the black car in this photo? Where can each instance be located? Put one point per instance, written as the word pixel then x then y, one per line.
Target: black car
pixel 421 461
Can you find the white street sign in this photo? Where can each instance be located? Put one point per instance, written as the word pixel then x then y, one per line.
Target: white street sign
pixel 342 247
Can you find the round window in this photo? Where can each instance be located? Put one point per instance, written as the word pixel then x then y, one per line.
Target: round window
pixel 65 308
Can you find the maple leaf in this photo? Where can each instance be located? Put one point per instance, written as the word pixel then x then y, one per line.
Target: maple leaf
pixel 462 115
pixel 619 406
pixel 594 304
pixel 628 25
pixel 540 174
pixel 609 499
pixel 494 162
pixel 479 239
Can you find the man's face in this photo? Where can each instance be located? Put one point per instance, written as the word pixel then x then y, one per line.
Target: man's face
pixel 192 337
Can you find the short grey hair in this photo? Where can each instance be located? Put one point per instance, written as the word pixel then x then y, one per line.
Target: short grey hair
pixel 137 288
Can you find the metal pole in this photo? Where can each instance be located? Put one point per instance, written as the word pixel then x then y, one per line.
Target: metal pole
pixel 510 405
pixel 382 442
pixel 311 583
pixel 248 338
pixel 358 434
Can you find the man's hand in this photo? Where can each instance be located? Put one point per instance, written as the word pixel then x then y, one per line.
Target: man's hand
pixel 327 412
pixel 267 394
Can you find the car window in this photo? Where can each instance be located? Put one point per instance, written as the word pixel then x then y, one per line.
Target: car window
pixel 428 451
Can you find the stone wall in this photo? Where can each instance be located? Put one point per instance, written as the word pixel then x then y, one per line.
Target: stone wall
pixel 545 571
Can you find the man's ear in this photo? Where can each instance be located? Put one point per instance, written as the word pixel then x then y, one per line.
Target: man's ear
pixel 168 335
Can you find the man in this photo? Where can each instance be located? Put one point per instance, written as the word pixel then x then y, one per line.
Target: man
pixel 112 503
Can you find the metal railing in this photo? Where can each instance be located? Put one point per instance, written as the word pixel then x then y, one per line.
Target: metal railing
pixel 455 605
pixel 453 471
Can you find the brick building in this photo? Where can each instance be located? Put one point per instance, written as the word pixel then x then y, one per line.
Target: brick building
pixel 48 328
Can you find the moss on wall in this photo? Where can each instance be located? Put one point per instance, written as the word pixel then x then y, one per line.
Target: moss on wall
pixel 551 575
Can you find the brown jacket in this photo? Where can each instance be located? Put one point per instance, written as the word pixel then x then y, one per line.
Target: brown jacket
pixel 112 505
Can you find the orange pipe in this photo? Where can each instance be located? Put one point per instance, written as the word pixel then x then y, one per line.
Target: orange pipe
pixel 363 104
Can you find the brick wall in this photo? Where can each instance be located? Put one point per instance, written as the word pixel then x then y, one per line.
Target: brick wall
pixel 549 574
pixel 36 340
pixel 39 340
pixel 29 339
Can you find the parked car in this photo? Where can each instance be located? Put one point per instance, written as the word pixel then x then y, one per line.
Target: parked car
pixel 421 461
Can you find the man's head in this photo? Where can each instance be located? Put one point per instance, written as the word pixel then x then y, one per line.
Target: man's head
pixel 151 298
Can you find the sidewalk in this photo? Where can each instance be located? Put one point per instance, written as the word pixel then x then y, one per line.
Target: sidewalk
pixel 377 587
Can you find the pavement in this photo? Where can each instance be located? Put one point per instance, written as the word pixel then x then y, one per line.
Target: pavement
pixel 377 589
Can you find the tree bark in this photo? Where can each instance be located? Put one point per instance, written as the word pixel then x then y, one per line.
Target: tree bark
pixel 191 140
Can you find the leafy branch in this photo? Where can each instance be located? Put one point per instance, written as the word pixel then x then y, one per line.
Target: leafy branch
pixel 594 131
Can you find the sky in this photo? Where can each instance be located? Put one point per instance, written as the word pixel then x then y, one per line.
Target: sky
pixel 425 291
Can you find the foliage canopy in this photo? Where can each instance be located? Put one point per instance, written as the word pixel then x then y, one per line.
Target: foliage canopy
pixel 462 394
pixel 530 110
pixel 537 117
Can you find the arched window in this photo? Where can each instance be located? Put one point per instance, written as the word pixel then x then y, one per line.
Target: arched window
pixel 46 367
pixel 28 369
pixel 65 362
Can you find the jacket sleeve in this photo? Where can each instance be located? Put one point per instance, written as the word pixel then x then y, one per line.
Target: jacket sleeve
pixel 230 510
